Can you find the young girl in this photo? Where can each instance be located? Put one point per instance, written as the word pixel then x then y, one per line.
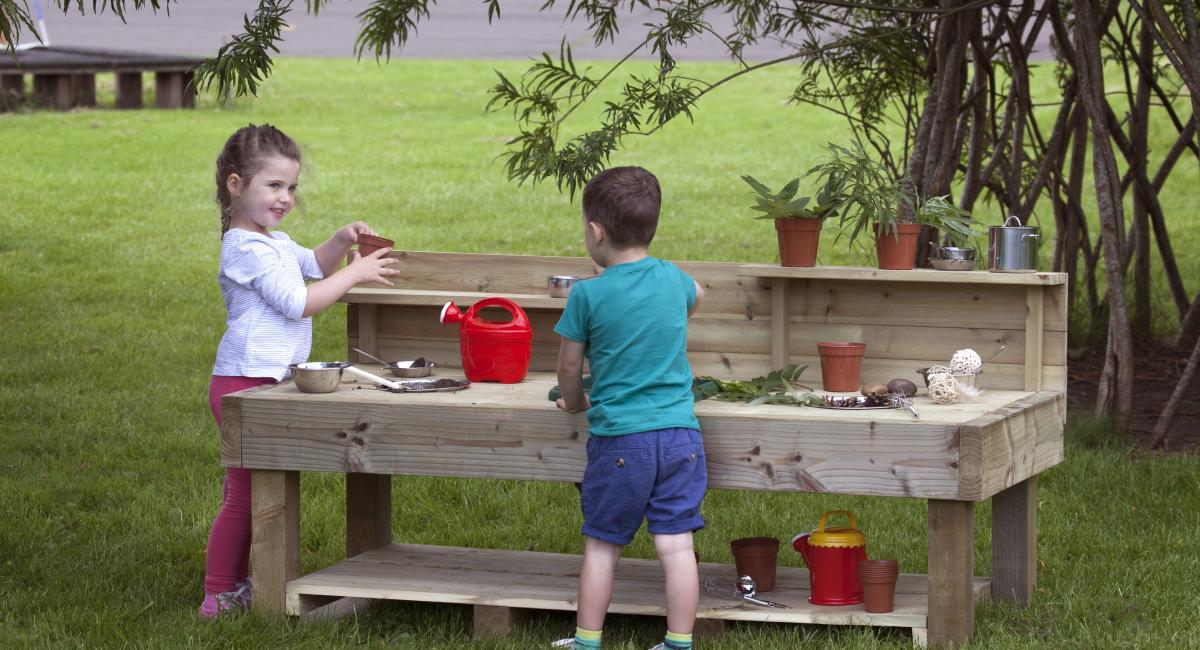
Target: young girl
pixel 269 322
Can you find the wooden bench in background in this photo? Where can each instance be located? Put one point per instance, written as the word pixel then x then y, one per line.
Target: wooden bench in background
pixel 65 77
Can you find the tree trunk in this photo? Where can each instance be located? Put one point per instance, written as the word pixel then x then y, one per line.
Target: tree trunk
pixel 1163 426
pixel 1140 324
pixel 1115 393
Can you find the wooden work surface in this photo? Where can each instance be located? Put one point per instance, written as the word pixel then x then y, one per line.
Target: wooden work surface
pixel 550 581
pixel 965 451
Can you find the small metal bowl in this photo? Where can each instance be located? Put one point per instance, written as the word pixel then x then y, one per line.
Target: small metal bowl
pixel 966 380
pixel 318 376
pixel 560 285
pixel 943 264
pixel 405 369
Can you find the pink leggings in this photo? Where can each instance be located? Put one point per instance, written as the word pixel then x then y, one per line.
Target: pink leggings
pixel 228 554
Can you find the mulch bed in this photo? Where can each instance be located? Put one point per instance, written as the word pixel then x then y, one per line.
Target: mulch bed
pixel 1156 374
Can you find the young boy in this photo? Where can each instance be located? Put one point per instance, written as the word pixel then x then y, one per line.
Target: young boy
pixel 645 454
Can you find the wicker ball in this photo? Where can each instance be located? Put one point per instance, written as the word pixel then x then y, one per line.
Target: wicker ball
pixel 943 389
pixel 965 362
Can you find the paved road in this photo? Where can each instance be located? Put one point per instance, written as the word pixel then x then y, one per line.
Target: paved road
pixel 455 29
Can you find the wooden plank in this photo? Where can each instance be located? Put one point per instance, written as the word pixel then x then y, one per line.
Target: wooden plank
pixel 734 333
pixel 505 579
pixel 52 91
pixel 1016 442
pixel 514 431
pixel 908 304
pixel 129 89
pixel 368 512
pixel 951 563
pixel 275 537
pixel 83 90
pixel 231 426
pixel 12 91
pixel 1034 311
pixel 168 90
pixel 780 326
pixel 859 273
pixel 368 331
pixel 1014 542
pixel 490 621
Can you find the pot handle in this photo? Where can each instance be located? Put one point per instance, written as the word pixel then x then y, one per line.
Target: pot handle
pixel 849 515
pixel 1031 236
pixel 1012 218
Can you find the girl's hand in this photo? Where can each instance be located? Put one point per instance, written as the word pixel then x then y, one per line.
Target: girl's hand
pixel 373 267
pixel 348 234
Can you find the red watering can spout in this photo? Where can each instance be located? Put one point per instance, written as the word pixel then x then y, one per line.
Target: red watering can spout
pixel 450 314
pixel 800 543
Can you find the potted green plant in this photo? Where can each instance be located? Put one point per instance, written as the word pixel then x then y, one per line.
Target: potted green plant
pixel 797 220
pixel 871 201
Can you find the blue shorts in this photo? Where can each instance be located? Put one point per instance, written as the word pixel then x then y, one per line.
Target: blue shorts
pixel 659 475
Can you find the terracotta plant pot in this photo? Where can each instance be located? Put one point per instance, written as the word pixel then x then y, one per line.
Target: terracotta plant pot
pixel 368 244
pixel 878 579
pixel 798 239
pixel 897 250
pixel 755 557
pixel 841 365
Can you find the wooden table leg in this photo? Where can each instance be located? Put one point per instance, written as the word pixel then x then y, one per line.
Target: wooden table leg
pixel 780 312
pixel 368 512
pixel 275 537
pixel 951 569
pixel 1014 542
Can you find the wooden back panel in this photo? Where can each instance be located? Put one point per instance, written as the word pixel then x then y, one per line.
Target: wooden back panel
pixel 906 325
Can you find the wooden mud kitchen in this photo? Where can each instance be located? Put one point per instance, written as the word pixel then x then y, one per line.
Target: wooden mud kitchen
pixel 754 318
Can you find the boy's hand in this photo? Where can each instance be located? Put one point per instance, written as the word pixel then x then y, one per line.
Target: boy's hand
pixel 373 267
pixel 348 234
pixel 562 404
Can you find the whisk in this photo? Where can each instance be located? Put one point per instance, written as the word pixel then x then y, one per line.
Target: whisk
pixel 744 589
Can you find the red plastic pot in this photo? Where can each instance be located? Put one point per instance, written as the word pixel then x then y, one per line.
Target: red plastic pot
pixel 756 557
pixel 368 244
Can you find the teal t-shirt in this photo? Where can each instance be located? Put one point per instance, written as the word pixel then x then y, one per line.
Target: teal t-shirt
pixel 633 319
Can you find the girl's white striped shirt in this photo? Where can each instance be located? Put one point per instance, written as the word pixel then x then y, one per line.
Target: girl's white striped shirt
pixel 262 281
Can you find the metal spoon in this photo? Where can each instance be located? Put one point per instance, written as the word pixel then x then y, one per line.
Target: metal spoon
pixel 748 589
pixel 996 354
pixel 371 356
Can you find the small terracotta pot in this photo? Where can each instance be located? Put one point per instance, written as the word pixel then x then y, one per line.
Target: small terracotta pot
pixel 368 244
pixel 798 240
pixel 841 365
pixel 897 250
pixel 756 557
pixel 878 578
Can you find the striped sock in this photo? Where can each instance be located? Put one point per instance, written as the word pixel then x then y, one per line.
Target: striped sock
pixel 588 639
pixel 675 641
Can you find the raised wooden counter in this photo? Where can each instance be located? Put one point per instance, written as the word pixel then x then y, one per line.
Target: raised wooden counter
pixel 753 317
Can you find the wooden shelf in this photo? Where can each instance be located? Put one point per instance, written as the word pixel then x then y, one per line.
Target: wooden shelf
pixel 914 275
pixel 379 295
pixel 550 581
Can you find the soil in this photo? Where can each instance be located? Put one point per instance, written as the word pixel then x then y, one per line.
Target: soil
pixel 1156 374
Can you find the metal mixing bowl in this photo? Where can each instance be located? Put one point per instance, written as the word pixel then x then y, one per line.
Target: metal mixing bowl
pixel 560 285
pixel 951 265
pixel 318 376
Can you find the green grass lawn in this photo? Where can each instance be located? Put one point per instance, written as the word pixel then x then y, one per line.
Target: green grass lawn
pixel 111 315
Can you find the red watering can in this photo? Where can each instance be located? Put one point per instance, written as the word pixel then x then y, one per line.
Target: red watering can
pixel 832 556
pixel 492 351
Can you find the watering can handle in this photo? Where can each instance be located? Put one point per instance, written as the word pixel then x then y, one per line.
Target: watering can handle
pixel 849 515
pixel 511 307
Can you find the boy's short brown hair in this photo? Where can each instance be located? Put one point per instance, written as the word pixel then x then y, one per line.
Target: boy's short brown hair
pixel 626 201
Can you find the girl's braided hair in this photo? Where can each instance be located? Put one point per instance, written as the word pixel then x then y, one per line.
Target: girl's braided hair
pixel 243 155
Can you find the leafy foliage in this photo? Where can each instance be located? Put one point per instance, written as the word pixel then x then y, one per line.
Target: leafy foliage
pixel 869 195
pixel 778 387
pixel 956 223
pixel 245 62
pixel 784 205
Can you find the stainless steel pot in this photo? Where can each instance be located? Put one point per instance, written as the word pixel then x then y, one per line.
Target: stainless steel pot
pixel 1013 248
